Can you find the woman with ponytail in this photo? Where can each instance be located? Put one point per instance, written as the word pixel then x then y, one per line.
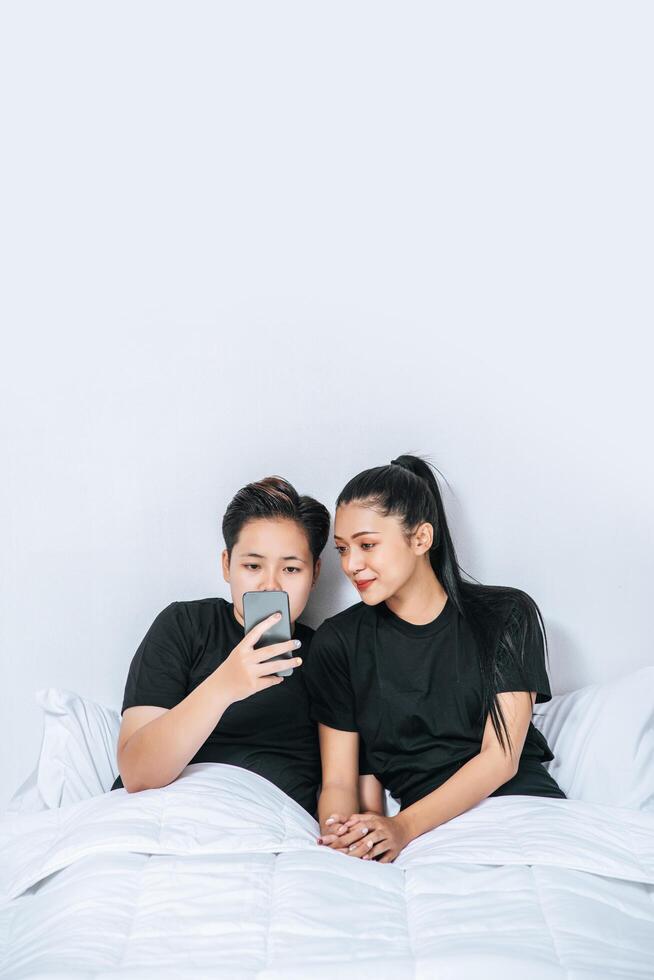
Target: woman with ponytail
pixel 427 685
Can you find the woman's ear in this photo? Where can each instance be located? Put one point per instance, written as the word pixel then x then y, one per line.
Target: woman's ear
pixel 225 564
pixel 316 573
pixel 423 538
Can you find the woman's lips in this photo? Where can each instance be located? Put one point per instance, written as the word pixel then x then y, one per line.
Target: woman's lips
pixel 364 583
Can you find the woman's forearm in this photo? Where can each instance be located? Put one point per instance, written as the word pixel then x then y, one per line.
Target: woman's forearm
pixel 156 753
pixel 371 794
pixel 338 798
pixel 471 784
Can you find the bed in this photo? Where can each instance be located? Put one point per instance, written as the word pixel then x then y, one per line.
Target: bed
pixel 219 874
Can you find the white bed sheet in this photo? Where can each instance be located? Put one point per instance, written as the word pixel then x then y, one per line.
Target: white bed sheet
pixel 219 875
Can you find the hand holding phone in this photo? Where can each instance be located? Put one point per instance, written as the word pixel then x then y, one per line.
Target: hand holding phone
pixel 249 669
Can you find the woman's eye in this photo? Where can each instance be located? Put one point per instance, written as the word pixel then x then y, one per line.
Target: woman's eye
pixel 340 549
pixel 254 567
pixel 291 568
pixel 368 545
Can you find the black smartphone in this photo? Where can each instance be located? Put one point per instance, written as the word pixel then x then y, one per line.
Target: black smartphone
pixel 257 606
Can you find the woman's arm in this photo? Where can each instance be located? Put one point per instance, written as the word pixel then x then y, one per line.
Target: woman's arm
pixel 371 794
pixel 339 797
pixel 480 776
pixel 471 784
pixel 153 751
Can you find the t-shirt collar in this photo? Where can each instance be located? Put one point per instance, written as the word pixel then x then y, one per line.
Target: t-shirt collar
pixel 414 629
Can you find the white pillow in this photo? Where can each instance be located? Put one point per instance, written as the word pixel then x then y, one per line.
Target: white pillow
pixel 602 737
pixel 78 753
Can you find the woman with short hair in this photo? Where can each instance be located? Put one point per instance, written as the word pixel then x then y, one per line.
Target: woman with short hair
pixel 198 691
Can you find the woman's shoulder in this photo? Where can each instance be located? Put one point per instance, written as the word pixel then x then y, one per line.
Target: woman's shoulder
pixel 210 602
pixel 345 623
pixel 304 632
pixel 508 603
pixel 193 613
pixel 196 607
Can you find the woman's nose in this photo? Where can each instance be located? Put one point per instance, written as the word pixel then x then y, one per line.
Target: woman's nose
pixel 353 563
pixel 272 585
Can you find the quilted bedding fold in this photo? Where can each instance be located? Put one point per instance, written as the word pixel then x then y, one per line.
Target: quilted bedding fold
pixel 218 809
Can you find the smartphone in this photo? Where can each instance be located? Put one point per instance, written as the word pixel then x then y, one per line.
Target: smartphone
pixel 257 606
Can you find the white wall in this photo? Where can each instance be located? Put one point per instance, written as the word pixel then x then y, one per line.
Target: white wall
pixel 241 239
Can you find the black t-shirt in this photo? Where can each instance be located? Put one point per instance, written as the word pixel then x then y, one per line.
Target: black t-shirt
pixel 414 694
pixel 270 732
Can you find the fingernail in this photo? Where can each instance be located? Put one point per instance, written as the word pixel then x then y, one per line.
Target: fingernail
pixel 351 847
pixel 329 820
pixel 298 660
pixel 297 643
pixel 320 840
pixel 278 615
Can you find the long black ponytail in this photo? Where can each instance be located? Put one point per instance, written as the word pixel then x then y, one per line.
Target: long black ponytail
pixel 505 621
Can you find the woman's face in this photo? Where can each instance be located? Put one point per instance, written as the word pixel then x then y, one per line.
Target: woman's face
pixel 271 555
pixel 376 554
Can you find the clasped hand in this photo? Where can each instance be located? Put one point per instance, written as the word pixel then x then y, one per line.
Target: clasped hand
pixel 368 836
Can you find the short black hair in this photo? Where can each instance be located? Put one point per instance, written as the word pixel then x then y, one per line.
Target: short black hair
pixel 274 498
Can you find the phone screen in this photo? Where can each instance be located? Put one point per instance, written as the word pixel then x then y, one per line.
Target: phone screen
pixel 257 606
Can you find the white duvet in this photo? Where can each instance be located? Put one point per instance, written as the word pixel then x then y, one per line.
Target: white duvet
pixel 219 875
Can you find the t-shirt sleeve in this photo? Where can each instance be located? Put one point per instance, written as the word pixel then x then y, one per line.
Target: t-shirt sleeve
pixel 159 672
pixel 328 681
pixel 526 673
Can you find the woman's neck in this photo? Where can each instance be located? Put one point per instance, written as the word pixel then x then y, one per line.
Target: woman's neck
pixel 421 599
